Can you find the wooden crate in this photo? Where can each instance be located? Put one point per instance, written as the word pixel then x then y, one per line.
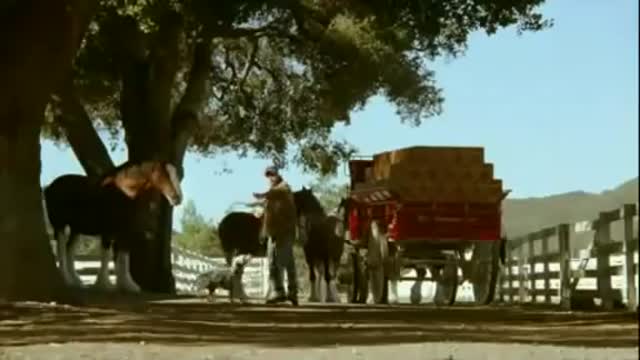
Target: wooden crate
pixel 432 157
pixel 473 173
pixel 422 173
pixel 483 193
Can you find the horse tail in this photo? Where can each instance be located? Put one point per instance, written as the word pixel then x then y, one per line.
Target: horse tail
pixel 51 202
pixel 226 240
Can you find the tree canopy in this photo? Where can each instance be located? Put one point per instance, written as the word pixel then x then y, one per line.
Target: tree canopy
pixel 260 75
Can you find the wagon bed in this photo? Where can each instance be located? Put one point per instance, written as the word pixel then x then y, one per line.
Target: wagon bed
pixel 426 206
pixel 429 193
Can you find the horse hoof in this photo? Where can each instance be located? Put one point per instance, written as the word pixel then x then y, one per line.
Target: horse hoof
pixel 78 284
pixel 331 299
pixel 104 285
pixel 129 288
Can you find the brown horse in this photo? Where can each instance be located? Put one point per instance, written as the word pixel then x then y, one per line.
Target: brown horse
pixel 322 246
pixel 105 207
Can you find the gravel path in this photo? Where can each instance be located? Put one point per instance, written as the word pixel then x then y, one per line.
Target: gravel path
pixel 193 329
pixel 424 351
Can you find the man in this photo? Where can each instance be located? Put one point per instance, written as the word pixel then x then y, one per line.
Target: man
pixel 279 226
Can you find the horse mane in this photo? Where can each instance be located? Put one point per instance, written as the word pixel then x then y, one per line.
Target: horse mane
pixel 127 167
pixel 312 202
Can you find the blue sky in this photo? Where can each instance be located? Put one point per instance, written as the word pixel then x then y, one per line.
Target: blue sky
pixel 556 111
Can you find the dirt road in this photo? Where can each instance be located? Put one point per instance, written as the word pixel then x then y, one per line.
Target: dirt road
pixel 193 329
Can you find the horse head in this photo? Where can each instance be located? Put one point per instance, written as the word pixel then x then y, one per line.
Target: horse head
pixel 307 203
pixel 133 178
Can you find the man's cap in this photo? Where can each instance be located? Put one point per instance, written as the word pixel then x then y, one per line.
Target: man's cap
pixel 271 170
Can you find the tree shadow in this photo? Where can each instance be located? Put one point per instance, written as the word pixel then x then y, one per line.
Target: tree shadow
pixel 189 321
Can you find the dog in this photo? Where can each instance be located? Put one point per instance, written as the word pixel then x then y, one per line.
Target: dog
pixel 228 278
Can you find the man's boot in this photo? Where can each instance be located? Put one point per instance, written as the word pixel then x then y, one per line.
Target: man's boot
pixel 293 299
pixel 277 299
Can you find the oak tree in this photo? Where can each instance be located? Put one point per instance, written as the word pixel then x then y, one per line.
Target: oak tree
pixel 270 77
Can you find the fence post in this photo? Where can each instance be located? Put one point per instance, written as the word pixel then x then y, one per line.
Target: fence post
pixel 630 246
pixel 532 267
pixel 545 270
pixel 564 249
pixel 603 238
pixel 509 259
pixel 522 291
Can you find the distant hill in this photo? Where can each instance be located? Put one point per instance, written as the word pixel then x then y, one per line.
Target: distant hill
pixel 522 216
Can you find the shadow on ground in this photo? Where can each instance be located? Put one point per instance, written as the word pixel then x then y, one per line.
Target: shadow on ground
pixel 194 322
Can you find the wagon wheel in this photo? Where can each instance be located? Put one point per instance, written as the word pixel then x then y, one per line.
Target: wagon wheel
pixel 447 283
pixel 377 253
pixel 484 271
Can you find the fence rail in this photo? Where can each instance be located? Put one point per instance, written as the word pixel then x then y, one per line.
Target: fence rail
pixel 606 272
pixel 186 265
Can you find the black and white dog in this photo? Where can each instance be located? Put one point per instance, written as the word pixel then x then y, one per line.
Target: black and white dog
pixel 228 278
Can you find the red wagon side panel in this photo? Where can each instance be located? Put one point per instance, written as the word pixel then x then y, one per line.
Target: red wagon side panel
pixel 447 221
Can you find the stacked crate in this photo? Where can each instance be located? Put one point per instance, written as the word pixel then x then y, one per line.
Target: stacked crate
pixel 443 174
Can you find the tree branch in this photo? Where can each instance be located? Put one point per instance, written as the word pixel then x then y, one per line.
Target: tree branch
pixel 185 117
pixel 126 40
pixel 251 62
pixel 229 64
pixel 148 77
pixel 272 28
pixel 81 135
pixel 164 66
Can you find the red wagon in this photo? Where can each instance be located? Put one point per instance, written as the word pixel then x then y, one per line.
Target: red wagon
pixel 435 208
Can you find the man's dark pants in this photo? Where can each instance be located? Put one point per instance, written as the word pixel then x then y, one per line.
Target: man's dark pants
pixel 281 259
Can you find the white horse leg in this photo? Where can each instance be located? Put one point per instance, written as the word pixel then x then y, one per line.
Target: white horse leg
pixel 332 288
pixel 72 245
pixel 321 282
pixel 102 280
pixel 61 242
pixel 240 286
pixel 124 280
pixel 313 284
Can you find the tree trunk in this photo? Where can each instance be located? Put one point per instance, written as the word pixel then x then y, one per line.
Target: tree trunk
pixel 32 66
pixel 151 252
pixel 151 264
pixel 156 131
pixel 27 266
pixel 80 133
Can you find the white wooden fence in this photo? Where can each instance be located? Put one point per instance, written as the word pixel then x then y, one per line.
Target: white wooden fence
pixel 540 268
pixel 187 265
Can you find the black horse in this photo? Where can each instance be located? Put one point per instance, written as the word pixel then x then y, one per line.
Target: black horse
pixel 239 233
pixel 323 245
pixel 105 207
